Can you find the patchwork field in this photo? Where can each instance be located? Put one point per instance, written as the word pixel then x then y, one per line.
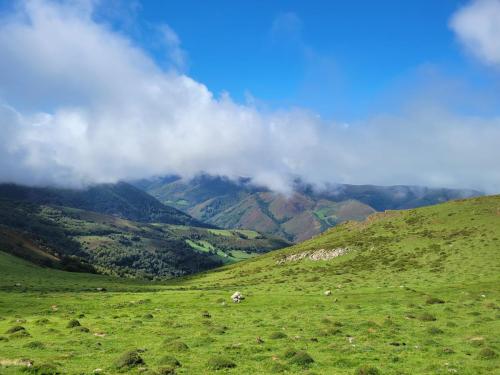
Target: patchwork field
pixel 415 292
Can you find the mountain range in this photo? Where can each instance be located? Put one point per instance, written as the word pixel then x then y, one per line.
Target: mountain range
pixel 301 214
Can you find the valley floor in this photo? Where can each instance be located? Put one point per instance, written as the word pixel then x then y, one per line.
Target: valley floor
pixel 392 328
pixel 416 293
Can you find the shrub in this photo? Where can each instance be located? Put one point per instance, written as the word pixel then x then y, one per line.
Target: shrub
pixel 426 317
pixel 73 323
pixel 20 334
pixel 42 322
pixel 278 367
pixel 366 370
pixel 220 363
pixel 434 331
pixel 329 332
pixel 178 346
pixel 169 361
pixel 129 359
pixel 165 371
pixel 82 329
pixel 434 301
pixel 42 369
pixel 15 329
pixel 148 316
pixel 35 345
pixel 278 335
pixel 301 358
pixel 487 353
pixel 3 338
pixel 289 353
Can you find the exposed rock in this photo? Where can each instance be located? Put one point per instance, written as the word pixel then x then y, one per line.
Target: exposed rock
pixel 315 255
pixel 16 362
pixel 237 297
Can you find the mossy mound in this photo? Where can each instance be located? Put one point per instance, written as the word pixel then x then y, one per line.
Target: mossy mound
pixel 73 323
pixel 278 335
pixel 129 359
pixel 169 361
pixel 15 329
pixel 301 358
pixel 487 353
pixel 220 363
pixel 367 370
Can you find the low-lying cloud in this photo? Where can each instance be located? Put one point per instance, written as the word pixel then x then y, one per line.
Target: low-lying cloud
pixel 81 103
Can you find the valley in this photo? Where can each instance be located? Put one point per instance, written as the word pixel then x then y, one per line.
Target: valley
pixel 415 291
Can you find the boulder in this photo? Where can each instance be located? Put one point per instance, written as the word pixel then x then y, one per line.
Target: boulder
pixel 237 297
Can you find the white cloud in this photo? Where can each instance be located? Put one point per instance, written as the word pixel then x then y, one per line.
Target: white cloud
pixel 477 26
pixel 80 103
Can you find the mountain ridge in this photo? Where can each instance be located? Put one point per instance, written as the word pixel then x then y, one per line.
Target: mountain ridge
pixel 303 213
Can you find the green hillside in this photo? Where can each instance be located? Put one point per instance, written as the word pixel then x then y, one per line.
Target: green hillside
pixel 412 292
pixel 121 200
pixel 80 240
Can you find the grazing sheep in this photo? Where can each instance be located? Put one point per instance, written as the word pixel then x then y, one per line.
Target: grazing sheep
pixel 237 297
pixel 328 293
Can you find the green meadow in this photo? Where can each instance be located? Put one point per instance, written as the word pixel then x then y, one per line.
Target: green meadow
pixel 415 292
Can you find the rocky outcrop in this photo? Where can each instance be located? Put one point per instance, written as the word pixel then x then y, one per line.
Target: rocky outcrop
pixel 315 255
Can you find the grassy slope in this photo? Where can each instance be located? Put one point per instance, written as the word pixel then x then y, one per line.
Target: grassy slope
pixel 118 246
pixel 378 315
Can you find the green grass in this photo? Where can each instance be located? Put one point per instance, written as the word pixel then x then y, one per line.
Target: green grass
pixel 441 261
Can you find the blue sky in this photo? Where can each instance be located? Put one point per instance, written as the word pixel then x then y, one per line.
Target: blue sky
pixel 338 58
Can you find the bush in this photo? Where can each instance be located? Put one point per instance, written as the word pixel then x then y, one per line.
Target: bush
pixel 487 353
pixel 165 371
pixel 15 329
pixel 42 369
pixel 73 323
pixel 35 345
pixel 148 316
pixel 278 367
pixel 434 331
pixel 278 335
pixel 434 301
pixel 20 334
pixel 178 346
pixel 129 359
pixel 301 358
pixel 169 361
pixel 289 353
pixel 42 322
pixel 367 370
pixel 426 317
pixel 220 363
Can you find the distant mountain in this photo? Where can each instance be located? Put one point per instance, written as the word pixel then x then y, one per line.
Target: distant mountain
pixel 398 197
pixel 299 216
pixel 121 200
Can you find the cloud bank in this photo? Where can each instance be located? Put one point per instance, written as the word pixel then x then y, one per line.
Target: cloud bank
pixel 80 103
pixel 477 26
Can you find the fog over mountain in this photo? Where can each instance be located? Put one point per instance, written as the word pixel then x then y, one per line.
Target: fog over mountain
pixel 81 103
